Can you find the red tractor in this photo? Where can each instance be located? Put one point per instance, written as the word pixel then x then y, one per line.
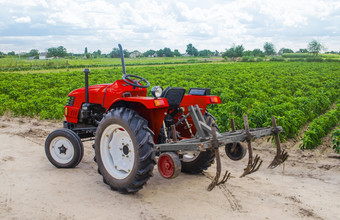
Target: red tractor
pixel 130 130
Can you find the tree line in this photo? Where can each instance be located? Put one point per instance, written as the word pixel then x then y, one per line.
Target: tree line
pixel 314 47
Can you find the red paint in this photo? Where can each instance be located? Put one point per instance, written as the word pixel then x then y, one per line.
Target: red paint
pixel 166 166
pixel 122 94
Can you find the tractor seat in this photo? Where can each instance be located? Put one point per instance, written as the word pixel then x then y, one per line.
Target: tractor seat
pixel 174 95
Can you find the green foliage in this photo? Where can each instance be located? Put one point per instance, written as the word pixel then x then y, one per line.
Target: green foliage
pixel 336 140
pixel 191 50
pixel 296 55
pixel 314 59
pixel 276 59
pixel 302 51
pixel 294 93
pixel 315 47
pixel 57 52
pixel 166 52
pixel 258 53
pixel 248 59
pixel 204 53
pixel 10 64
pixel 234 51
pixel 319 128
pixel 269 48
pixel 285 50
pixel 33 53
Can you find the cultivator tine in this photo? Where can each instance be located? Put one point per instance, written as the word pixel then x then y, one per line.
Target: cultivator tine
pixel 253 165
pixel 216 181
pixel 281 155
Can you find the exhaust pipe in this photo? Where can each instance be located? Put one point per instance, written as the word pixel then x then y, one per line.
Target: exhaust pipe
pixel 122 58
pixel 86 71
pixel 85 110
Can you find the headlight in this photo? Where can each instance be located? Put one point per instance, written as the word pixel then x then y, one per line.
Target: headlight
pixel 156 91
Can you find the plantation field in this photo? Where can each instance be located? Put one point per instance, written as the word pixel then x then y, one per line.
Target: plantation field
pixel 13 64
pixel 295 93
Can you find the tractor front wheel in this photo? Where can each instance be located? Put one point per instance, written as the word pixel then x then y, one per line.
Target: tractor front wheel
pixel 124 150
pixel 64 148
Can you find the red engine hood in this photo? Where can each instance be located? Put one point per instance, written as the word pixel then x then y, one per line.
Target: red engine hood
pixel 96 94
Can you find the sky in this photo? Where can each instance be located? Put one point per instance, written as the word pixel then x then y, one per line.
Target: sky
pixel 150 24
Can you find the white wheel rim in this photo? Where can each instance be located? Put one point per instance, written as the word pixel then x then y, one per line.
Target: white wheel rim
pixel 62 150
pixel 190 156
pixel 117 151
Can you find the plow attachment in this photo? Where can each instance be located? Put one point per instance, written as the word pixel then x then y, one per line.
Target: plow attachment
pixel 253 165
pixel 207 138
pixel 281 155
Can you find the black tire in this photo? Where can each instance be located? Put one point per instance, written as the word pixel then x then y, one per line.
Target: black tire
pixel 204 159
pixel 132 129
pixel 71 140
pixel 238 153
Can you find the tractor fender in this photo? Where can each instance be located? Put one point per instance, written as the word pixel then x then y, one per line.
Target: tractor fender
pixel 151 109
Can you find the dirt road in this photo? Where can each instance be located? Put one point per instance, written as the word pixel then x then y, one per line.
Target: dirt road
pixel 307 187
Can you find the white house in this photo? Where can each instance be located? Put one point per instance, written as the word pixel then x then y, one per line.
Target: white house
pixel 135 54
pixel 43 56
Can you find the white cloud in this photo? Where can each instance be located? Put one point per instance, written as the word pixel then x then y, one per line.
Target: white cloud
pixel 26 19
pixel 151 24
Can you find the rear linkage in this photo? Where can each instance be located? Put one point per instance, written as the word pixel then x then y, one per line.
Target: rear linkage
pixel 208 138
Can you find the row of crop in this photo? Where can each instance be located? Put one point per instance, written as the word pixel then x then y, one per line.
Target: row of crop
pixel 281 59
pixel 319 128
pixel 50 66
pixel 336 140
pixel 293 92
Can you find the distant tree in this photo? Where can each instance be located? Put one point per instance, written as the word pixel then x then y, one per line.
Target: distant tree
pixel 115 53
pixel 302 51
pixel 191 50
pixel 57 52
pixel 258 53
pixel 216 53
pixel 315 47
pixel 12 53
pixel 285 50
pixel 177 53
pixel 62 52
pixel 329 52
pixel 248 53
pixel 97 54
pixel 269 48
pixel 85 52
pixel 160 53
pixel 234 51
pixel 33 53
pixel 126 53
pixel 204 53
pixel 2 55
pixel 52 52
pixel 167 52
pixel 239 50
pixel 149 53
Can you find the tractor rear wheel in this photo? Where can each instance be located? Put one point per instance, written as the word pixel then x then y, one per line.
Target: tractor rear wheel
pixel 197 162
pixel 64 148
pixel 124 150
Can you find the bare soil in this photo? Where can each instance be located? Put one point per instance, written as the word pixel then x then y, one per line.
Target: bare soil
pixel 306 187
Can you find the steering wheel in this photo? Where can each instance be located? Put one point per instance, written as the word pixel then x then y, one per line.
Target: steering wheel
pixel 135 83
